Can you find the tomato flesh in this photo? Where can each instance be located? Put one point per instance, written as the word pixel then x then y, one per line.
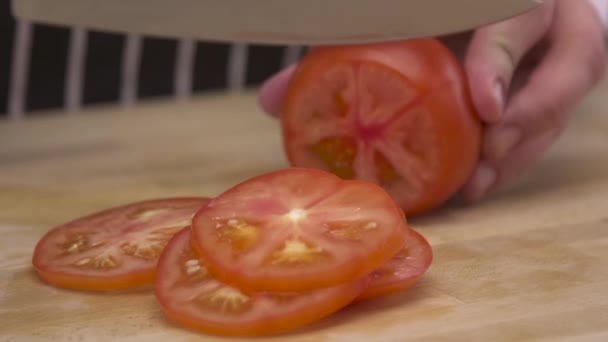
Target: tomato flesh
pixel 403 271
pixel 191 297
pixel 113 249
pixel 397 114
pixel 296 230
pixel 338 153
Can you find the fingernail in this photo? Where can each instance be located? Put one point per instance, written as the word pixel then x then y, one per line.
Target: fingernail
pixel 500 94
pixel 484 178
pixel 503 142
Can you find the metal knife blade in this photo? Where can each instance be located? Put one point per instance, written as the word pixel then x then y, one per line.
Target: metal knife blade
pixel 310 22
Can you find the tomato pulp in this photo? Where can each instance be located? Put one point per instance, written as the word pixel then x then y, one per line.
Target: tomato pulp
pixel 115 248
pixel 191 297
pixel 397 114
pixel 296 230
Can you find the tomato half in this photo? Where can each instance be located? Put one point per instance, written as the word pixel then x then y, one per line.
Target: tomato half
pixel 403 271
pixel 398 114
pixel 115 248
pixel 297 230
pixel 191 297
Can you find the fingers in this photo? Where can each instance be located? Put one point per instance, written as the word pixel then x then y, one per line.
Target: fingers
pixel 273 91
pixel 488 176
pixel 573 65
pixel 539 111
pixel 495 52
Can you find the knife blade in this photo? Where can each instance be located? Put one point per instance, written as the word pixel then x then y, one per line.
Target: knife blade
pixel 308 22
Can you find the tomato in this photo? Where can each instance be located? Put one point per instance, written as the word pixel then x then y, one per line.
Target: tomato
pixel 113 249
pixel 395 113
pixel 297 229
pixel 191 297
pixel 403 271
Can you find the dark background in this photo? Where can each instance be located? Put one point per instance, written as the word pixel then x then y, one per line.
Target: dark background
pixel 103 64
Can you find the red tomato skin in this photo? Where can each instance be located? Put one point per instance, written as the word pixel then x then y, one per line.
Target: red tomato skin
pixel 435 71
pixel 252 282
pixel 127 281
pixel 383 284
pixel 142 277
pixel 274 324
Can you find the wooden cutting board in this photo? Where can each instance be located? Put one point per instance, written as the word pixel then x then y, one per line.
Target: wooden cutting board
pixel 529 263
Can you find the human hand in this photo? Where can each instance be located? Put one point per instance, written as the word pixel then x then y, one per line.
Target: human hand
pixel 526 75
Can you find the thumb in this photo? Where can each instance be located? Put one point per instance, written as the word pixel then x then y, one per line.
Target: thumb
pixel 273 91
pixel 495 52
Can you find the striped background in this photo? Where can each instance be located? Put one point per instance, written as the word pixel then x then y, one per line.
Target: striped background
pixel 46 67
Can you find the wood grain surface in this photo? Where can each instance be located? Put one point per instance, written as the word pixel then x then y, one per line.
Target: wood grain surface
pixel 529 263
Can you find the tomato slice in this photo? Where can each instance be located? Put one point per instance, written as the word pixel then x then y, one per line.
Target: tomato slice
pixel 191 297
pixel 403 271
pixel 112 249
pixel 296 230
pixel 398 114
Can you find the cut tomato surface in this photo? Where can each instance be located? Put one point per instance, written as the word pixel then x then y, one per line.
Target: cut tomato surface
pixel 403 271
pixel 191 297
pixel 297 230
pixel 115 248
pixel 398 114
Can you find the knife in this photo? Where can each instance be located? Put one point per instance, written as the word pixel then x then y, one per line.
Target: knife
pixel 307 22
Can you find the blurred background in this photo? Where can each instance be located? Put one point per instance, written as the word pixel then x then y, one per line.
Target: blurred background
pixel 44 70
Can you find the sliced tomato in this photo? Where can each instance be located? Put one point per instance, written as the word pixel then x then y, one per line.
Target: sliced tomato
pixel 398 114
pixel 191 297
pixel 403 271
pixel 115 248
pixel 296 230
